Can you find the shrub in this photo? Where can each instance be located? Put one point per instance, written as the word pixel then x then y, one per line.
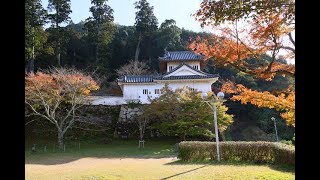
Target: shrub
pixel 257 152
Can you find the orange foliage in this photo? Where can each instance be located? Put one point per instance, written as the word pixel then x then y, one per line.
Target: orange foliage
pixel 59 84
pixel 282 102
pixel 234 46
pixel 266 25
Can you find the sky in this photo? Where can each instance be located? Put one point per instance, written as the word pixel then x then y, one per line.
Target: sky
pixel 124 11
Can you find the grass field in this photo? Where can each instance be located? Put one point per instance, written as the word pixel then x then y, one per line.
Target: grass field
pixel 123 160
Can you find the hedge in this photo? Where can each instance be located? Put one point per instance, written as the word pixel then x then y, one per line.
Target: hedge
pixel 248 151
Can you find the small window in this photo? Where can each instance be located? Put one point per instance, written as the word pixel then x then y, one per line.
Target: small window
pixel 191 89
pixel 145 91
pixel 196 67
pixel 170 68
pixel 157 91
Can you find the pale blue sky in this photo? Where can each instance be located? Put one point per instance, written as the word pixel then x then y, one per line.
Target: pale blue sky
pixel 124 11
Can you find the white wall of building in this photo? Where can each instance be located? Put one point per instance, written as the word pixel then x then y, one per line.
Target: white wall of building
pixel 176 63
pixel 135 91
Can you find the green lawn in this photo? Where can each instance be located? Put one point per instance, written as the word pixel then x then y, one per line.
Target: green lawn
pixel 156 148
pixel 123 160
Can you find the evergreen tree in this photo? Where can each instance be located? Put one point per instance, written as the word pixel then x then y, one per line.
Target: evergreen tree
pixel 35 37
pixel 146 26
pixel 169 35
pixel 62 10
pixel 100 28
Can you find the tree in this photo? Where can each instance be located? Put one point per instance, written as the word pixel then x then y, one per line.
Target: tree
pixel 134 67
pixel 35 37
pixel 282 102
pixel 62 9
pixel 183 113
pixel 56 95
pixel 169 35
pixel 99 27
pixel 265 24
pixel 146 26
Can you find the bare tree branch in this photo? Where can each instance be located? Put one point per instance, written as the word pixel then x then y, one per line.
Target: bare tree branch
pixel 291 39
pixel 289 48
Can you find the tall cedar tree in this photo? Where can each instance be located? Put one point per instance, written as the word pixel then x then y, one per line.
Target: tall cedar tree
pixel 146 25
pixel 99 27
pixel 35 37
pixel 169 35
pixel 62 10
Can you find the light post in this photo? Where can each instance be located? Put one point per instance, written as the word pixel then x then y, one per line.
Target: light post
pixel 275 127
pixel 219 96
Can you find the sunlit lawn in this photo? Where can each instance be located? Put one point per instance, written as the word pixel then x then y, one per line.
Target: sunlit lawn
pixel 123 160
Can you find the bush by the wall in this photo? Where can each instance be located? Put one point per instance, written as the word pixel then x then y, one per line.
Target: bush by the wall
pixel 258 152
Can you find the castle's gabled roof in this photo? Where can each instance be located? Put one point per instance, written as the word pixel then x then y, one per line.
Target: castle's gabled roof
pixel 153 78
pixel 181 56
pixel 136 79
pixel 186 77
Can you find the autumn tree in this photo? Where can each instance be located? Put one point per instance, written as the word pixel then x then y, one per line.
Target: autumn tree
pixel 56 96
pixel 184 113
pixel 61 10
pixel 246 30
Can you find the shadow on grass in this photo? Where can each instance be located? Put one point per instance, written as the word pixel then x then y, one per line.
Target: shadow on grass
pixel 178 174
pixel 282 168
pixel 115 150
pixel 63 158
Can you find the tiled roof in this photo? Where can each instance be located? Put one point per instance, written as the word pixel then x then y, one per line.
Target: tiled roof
pixel 186 77
pixel 180 55
pixel 136 79
pixel 150 79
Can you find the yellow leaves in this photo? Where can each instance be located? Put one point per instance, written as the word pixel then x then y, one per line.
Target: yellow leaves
pixel 289 117
pixel 210 94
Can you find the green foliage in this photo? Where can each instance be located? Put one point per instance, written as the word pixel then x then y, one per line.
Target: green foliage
pixel 257 152
pixel 287 142
pixel 169 35
pixel 146 22
pixel 35 36
pixel 230 10
pixel 145 30
pixel 133 104
pixel 62 10
pixel 183 113
pixel 100 30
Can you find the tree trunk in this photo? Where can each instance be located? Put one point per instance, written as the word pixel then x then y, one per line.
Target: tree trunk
pixel 30 67
pixel 58 53
pixel 136 56
pixel 97 45
pixel 97 54
pixel 60 140
pixel 183 137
